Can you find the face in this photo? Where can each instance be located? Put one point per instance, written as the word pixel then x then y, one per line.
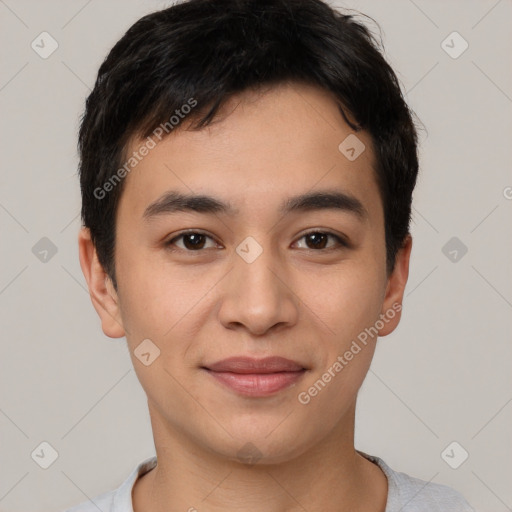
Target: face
pixel 287 258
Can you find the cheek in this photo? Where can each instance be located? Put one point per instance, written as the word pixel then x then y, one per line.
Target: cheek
pixel 168 306
pixel 154 309
pixel 150 298
pixel 348 305
pixel 346 300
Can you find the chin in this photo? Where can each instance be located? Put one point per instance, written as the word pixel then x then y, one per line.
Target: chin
pixel 263 445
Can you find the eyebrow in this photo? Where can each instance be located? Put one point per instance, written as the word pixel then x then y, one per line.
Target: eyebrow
pixel 172 202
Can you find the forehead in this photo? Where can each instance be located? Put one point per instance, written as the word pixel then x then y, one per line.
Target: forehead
pixel 262 145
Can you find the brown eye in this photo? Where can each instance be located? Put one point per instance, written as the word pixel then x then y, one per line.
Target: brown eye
pixel 191 241
pixel 318 240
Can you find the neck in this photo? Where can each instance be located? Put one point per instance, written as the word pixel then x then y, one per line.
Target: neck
pixel 329 476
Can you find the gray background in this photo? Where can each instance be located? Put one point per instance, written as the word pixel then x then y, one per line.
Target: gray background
pixel 443 376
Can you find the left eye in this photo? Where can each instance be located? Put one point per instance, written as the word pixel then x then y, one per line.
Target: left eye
pixel 317 240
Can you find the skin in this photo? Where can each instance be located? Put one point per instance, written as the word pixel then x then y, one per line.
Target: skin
pixel 294 300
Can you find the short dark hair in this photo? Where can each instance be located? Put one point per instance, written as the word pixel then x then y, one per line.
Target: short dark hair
pixel 207 51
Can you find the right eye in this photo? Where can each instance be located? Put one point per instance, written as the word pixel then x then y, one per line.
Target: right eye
pixel 192 241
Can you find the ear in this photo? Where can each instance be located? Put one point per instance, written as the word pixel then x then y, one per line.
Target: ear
pixel 101 290
pixel 392 306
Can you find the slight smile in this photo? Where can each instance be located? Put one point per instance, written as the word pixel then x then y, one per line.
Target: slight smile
pixel 256 377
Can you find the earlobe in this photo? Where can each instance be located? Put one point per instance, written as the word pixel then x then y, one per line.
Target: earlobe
pixel 392 305
pixel 103 295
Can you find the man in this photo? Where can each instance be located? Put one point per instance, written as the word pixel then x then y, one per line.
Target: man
pixel 247 169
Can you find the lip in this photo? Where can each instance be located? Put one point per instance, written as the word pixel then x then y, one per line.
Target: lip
pixel 245 364
pixel 256 377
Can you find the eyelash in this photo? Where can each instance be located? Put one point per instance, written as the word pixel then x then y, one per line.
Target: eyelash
pixel 342 243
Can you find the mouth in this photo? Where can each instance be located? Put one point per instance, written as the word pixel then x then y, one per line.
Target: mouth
pixel 256 377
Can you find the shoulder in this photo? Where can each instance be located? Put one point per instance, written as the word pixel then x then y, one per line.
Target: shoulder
pixel 120 499
pixel 416 495
pixel 409 494
pixel 102 503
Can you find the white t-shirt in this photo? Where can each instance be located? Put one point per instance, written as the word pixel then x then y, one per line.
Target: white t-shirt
pixel 405 493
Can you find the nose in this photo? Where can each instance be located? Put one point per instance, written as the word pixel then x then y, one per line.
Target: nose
pixel 258 296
